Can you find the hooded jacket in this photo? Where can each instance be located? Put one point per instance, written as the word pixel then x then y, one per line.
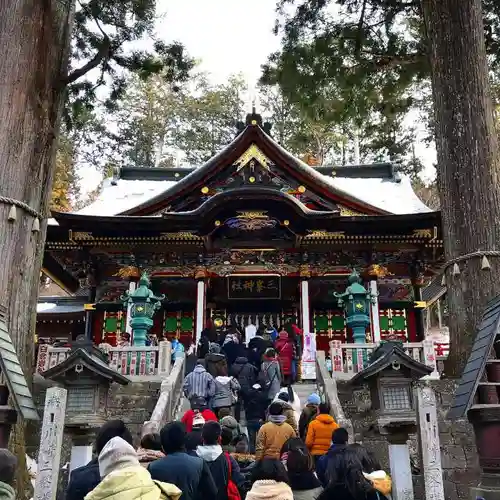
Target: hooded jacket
pixel 245 373
pixel 270 377
pixel 289 413
pixel 217 461
pixel 308 414
pixel 271 438
pixel 256 349
pixel 270 490
pixel 7 492
pixel 319 434
pixel 322 463
pixel 123 478
pixel 216 364
pixel 133 483
pixel 225 389
pixel 199 383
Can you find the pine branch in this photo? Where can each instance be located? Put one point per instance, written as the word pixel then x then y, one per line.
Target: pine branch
pixel 102 54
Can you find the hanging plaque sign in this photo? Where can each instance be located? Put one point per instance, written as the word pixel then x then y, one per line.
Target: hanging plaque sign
pixel 254 287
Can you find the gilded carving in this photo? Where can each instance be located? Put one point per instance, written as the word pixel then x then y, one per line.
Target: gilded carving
pixel 128 272
pixel 347 212
pixel 305 271
pixel 200 273
pixel 423 233
pixel 378 270
pixel 253 153
pixel 79 235
pixel 326 234
pixel 252 215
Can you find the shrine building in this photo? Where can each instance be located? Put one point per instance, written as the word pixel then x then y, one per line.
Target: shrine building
pixel 253 236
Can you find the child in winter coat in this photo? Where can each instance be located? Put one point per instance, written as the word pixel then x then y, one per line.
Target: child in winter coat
pixel 319 433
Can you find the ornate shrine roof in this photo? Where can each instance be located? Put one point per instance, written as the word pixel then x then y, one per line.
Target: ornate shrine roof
pixel 254 159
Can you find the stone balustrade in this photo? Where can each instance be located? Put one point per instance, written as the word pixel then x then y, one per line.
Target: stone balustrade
pixel 349 359
pixel 140 364
pixel 169 400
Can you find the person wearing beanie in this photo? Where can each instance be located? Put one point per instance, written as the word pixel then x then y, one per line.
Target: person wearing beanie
pixel 84 479
pixel 123 477
pixel 231 423
pixel 273 434
pixel 308 414
pixel 320 431
pixel 8 465
pixel 284 399
pixel 340 439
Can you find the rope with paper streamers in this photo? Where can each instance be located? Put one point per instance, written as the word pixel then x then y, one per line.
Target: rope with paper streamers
pixel 12 217
pixel 485 263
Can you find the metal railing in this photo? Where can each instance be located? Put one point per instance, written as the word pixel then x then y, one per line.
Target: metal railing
pixel 138 363
pixel 169 399
pixel 349 359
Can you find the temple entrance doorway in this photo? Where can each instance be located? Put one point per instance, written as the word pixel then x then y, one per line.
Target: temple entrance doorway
pixel 243 300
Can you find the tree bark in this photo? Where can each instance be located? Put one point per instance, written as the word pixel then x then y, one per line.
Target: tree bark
pixel 34 37
pixel 467 151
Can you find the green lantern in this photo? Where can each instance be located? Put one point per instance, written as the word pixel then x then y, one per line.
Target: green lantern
pixel 143 306
pixel 356 303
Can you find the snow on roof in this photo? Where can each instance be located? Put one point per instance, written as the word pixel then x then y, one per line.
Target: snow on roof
pixel 123 195
pixel 396 197
pixel 45 306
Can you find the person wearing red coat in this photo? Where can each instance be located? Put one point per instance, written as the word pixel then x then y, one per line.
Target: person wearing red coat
pixel 198 408
pixel 285 348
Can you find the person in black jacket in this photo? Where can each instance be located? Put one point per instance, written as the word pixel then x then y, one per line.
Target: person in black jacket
pixel 255 412
pixel 246 374
pixel 84 479
pixel 190 474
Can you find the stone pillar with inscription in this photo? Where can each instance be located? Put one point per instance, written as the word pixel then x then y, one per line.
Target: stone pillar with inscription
pixel 49 456
pixel 430 449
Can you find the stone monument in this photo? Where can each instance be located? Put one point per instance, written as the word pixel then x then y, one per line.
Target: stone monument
pixel 87 377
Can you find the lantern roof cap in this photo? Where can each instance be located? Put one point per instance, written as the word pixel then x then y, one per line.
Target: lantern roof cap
pixel 84 354
pixel 387 354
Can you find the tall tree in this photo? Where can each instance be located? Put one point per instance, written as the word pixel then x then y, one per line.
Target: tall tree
pixel 209 116
pixel 35 36
pixel 65 189
pixel 468 162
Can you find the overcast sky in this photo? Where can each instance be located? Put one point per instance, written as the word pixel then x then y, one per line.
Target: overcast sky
pixel 227 36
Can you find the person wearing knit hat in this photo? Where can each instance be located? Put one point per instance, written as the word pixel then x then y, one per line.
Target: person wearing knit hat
pixel 123 478
pixel 308 414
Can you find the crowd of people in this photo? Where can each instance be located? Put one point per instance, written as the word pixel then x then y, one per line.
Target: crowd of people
pixel 285 452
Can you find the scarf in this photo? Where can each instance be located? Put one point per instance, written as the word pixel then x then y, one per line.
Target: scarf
pixel 277 419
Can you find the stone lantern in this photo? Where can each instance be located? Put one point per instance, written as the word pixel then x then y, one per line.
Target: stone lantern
pixel 389 376
pixel 356 303
pixel 87 377
pixel 143 305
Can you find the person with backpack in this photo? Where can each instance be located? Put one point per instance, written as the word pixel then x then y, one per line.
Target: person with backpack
pixel 199 383
pixel 225 470
pixel 226 392
pixel 308 414
pixel 270 374
pixel 198 407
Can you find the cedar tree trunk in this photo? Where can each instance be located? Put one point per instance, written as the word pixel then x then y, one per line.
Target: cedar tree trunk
pixel 34 42
pixel 467 149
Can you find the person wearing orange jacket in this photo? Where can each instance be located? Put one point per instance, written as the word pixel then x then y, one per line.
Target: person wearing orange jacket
pixel 319 432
